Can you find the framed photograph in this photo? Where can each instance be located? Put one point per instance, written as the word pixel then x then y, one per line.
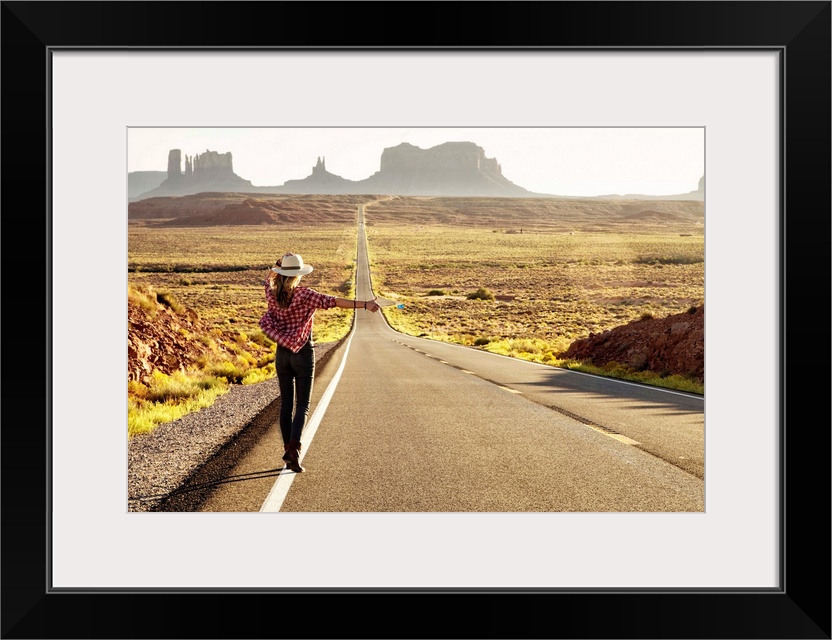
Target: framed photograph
pixel 754 75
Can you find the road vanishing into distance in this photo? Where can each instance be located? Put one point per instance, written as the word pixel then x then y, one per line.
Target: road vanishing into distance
pixel 405 424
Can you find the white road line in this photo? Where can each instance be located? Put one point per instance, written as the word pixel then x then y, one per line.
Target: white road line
pixel 284 480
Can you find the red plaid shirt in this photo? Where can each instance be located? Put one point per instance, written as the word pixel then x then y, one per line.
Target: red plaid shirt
pixel 292 326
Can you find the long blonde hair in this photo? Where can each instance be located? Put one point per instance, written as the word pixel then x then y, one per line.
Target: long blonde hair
pixel 283 287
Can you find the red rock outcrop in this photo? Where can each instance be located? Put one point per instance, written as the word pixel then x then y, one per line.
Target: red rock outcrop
pixel 165 341
pixel 673 345
pixel 160 341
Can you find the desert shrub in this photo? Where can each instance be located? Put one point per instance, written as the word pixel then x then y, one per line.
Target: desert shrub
pixel 166 298
pixel 228 370
pixel 532 349
pixel 616 369
pixel 177 386
pixel 144 298
pixel 245 359
pixel 208 342
pixel 185 268
pixel 137 389
pixel 168 398
pixel 265 361
pixel 258 337
pixel 260 374
pixel 436 292
pixel 480 294
pixel 667 259
pixel 622 372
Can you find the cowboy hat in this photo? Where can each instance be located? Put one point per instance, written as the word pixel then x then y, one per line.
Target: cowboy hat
pixel 292 265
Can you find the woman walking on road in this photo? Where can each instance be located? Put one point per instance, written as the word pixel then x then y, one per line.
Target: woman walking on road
pixel 288 322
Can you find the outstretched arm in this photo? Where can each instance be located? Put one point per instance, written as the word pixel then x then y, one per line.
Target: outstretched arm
pixel 349 303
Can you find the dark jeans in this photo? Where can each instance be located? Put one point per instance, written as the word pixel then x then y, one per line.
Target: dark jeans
pixel 295 373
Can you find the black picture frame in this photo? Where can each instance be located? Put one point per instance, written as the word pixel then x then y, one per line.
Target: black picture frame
pixel 799 31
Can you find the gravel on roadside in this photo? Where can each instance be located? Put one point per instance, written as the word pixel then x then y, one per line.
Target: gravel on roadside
pixel 161 461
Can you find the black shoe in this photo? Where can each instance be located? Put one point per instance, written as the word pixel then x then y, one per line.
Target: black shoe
pixel 292 457
pixel 294 465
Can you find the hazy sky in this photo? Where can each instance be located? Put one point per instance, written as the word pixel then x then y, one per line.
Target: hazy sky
pixel 558 161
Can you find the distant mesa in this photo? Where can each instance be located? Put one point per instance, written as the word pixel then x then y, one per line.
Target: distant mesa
pixel 451 169
pixel 139 182
pixel 320 181
pixel 698 194
pixel 208 171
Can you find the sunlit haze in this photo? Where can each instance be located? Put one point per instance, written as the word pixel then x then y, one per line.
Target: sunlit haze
pixel 557 161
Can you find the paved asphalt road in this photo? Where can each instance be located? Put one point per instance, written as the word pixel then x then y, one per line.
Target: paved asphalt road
pixel 403 424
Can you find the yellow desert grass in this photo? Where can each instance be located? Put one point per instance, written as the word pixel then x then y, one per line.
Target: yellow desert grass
pixel 549 288
pixel 219 271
